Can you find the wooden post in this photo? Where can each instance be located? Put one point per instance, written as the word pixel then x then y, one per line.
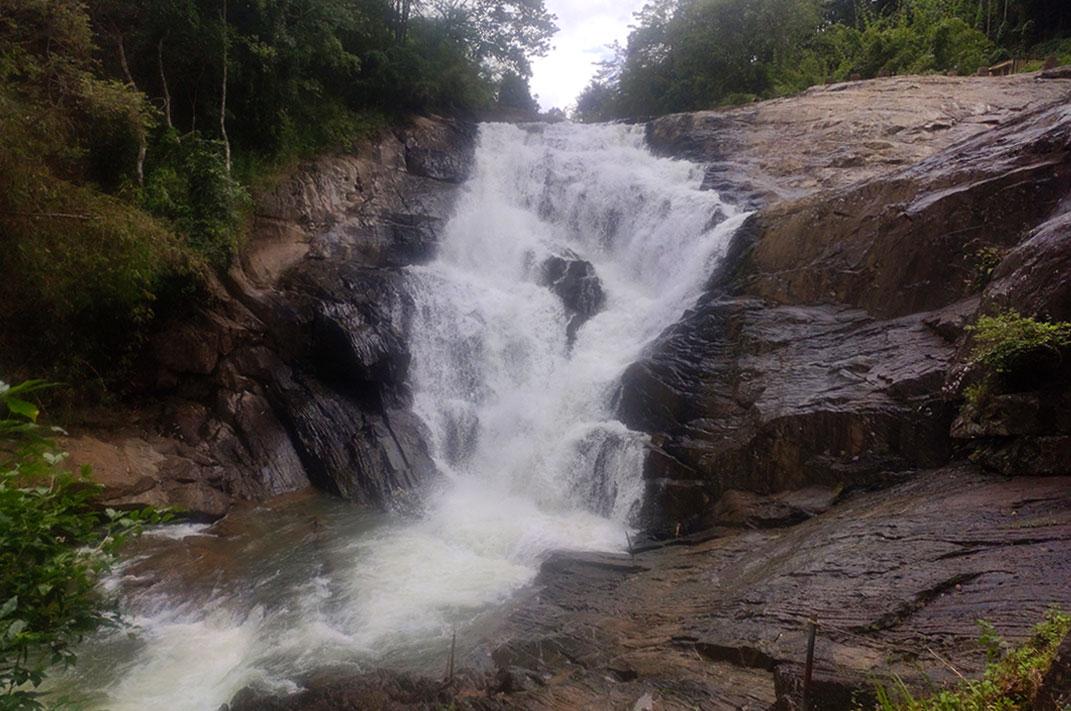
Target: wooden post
pixel 808 669
pixel 450 668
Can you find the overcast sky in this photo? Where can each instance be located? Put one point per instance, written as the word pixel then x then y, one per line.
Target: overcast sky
pixel 587 26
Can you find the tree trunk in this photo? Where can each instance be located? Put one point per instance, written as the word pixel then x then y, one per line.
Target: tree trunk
pixel 143 147
pixel 163 82
pixel 402 12
pixel 223 95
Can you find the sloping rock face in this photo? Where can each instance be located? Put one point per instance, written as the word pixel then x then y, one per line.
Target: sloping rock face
pixel 825 352
pixel 808 429
pixel 296 371
pixel 895 578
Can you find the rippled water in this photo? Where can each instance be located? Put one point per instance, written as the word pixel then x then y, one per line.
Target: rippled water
pixel 523 430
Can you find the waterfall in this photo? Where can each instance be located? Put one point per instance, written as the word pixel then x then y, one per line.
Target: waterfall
pixel 513 407
pixel 517 393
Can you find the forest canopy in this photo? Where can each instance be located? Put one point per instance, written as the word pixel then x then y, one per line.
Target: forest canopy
pixel 685 55
pixel 131 131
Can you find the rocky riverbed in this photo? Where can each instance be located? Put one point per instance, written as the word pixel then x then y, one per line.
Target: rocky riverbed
pixel 810 455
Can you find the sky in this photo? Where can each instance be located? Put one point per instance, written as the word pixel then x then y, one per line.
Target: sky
pixel 587 26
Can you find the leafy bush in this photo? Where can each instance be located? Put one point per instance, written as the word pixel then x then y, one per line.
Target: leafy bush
pixel 189 185
pixel 695 54
pixel 53 550
pixel 82 273
pixel 1020 350
pixel 1059 48
pixel 1010 682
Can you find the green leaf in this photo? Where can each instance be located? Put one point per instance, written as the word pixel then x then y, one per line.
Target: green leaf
pixel 21 407
pixel 8 607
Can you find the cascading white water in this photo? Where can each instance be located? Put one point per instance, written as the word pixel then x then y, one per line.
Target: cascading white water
pixel 522 426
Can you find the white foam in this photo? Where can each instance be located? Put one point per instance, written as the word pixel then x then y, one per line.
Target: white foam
pixel 522 426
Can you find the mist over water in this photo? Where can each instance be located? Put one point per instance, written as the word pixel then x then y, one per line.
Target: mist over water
pixel 521 423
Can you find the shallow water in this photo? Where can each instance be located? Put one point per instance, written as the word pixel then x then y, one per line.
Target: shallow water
pixel 522 428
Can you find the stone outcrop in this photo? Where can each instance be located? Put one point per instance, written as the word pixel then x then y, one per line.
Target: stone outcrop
pixel 830 137
pixel 896 579
pixel 808 431
pixel 826 350
pixel 575 282
pixel 375 691
pixel 295 372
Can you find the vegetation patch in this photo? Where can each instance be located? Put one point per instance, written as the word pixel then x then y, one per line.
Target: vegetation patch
pixel 686 55
pixel 54 548
pixel 1020 351
pixel 1011 680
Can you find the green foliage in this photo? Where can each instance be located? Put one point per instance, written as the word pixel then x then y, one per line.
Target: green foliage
pixel 1019 349
pixel 123 174
pixel 514 93
pixel 1010 682
pixel 82 273
pixel 685 55
pixel 188 184
pixel 53 550
pixel 976 393
pixel 986 261
pixel 1059 48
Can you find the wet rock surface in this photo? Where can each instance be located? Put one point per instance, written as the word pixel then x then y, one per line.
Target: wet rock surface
pixel 826 351
pixel 830 137
pixel 804 463
pixel 888 575
pixel 376 691
pixel 296 371
pixel 575 282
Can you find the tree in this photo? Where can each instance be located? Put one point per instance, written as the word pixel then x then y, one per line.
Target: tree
pixel 504 34
pixel 514 93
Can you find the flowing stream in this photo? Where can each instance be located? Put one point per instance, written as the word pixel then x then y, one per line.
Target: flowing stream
pixel 522 425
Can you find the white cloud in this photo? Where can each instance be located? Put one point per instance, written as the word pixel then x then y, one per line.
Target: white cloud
pixel 587 26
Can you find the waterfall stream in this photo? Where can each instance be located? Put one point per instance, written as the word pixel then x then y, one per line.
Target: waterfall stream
pixel 522 426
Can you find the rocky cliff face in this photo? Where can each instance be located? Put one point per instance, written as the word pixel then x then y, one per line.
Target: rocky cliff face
pixel 295 373
pixel 821 354
pixel 809 453
pixel 807 417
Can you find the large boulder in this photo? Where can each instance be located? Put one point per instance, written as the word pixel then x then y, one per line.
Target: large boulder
pixel 578 286
pixel 823 351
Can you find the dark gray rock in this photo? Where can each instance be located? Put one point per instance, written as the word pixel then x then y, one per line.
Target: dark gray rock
pixel 722 622
pixel 748 510
pixel 432 152
pixel 742 395
pixel 331 691
pixel 1055 691
pixel 578 286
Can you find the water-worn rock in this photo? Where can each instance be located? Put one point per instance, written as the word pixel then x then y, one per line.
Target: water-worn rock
pixel 823 350
pixel 743 395
pixel 888 575
pixel 334 691
pixel 831 137
pixel 1055 691
pixel 575 282
pixel 296 370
